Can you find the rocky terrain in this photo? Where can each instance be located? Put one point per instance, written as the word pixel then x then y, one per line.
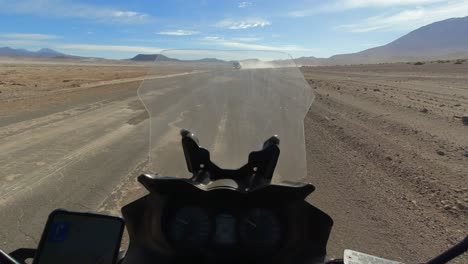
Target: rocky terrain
pixel 387 151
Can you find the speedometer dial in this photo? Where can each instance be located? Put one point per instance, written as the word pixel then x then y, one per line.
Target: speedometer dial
pixel 260 229
pixel 189 227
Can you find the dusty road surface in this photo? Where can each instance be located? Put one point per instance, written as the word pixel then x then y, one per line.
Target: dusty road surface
pixel 69 134
pixel 75 154
pixel 59 128
pixel 386 152
pixel 391 174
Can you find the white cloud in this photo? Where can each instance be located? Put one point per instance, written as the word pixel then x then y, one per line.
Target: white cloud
pixel 26 40
pixel 247 39
pixel 28 36
pixel 343 5
pixel 179 32
pixel 244 4
pixel 94 47
pixel 243 24
pixel 251 46
pixel 383 3
pixel 211 38
pixel 409 18
pixel 21 43
pixel 66 8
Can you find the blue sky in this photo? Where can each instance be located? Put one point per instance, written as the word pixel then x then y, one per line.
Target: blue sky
pixel 123 28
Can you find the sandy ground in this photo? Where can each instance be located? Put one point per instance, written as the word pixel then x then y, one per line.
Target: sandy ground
pixel 385 144
pixel 25 87
pixel 386 153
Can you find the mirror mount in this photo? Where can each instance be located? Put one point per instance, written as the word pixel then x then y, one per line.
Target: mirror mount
pixel 257 172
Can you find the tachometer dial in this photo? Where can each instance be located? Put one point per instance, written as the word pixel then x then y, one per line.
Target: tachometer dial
pixel 189 227
pixel 260 229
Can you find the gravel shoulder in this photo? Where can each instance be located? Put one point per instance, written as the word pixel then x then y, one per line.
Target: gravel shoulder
pixel 392 175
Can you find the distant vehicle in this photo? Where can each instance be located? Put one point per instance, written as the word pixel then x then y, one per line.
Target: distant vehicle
pixel 237 65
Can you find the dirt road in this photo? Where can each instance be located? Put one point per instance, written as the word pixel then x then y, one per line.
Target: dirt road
pixel 384 151
pixel 53 142
pixel 391 174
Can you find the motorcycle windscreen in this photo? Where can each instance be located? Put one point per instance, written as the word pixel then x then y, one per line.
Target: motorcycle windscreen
pixel 232 101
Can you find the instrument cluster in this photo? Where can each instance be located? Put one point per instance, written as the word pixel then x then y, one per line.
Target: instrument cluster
pixel 193 228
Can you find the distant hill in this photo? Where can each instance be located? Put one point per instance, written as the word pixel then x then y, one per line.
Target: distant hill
pixel 7 51
pixel 151 57
pixel 447 39
pixel 43 53
pixel 211 60
pixel 309 61
pixel 160 57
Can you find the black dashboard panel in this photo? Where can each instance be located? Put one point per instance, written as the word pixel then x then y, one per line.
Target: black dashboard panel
pixel 222 225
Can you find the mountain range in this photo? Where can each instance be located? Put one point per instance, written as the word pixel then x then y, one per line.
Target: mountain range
pixel 151 57
pixel 160 57
pixel 447 39
pixel 43 53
